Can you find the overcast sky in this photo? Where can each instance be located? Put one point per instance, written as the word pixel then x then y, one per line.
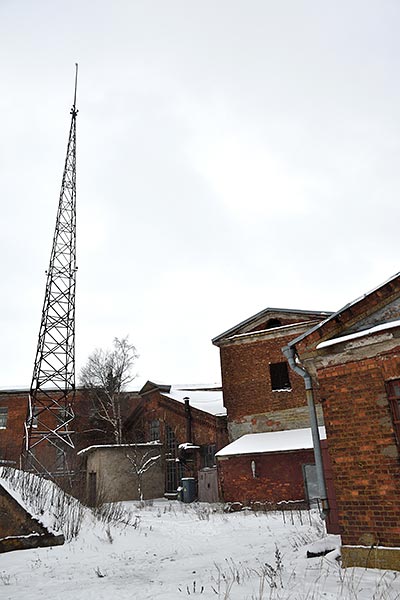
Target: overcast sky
pixel 232 155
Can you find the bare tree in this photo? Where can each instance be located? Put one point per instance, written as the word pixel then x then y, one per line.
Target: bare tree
pixel 106 374
pixel 140 464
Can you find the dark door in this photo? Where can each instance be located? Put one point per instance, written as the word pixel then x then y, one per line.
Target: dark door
pixel 92 489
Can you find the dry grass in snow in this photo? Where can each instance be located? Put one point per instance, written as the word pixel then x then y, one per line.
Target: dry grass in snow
pixel 170 551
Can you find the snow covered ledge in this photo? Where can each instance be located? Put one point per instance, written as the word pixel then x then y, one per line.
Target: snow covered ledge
pixel 384 327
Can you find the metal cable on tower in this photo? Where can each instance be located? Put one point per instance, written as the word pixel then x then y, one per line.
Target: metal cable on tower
pixel 50 408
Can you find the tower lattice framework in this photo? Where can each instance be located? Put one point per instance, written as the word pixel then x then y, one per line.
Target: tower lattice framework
pixel 50 409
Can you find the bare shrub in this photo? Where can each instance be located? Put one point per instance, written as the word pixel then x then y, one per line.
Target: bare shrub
pixel 115 513
pixel 5 578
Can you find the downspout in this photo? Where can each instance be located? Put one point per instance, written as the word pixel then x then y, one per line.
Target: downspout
pixel 189 432
pixel 290 354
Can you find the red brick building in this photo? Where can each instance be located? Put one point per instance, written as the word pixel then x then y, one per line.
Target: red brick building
pixel 189 420
pixel 270 468
pixel 261 395
pixel 87 430
pixel 157 412
pixel 353 358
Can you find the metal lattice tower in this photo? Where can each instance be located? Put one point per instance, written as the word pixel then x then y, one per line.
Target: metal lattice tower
pixel 51 397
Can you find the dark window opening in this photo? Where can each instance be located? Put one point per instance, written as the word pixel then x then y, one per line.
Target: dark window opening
pixel 393 391
pixel 279 375
pixel 154 430
pixel 273 323
pixel 92 491
pixel 208 455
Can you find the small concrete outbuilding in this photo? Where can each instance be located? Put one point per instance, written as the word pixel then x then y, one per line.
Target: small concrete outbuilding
pixel 123 472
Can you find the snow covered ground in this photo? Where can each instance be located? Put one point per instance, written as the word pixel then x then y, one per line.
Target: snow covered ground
pixel 169 550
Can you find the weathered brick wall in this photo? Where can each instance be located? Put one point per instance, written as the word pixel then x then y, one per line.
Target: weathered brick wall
pixel 207 429
pixel 363 449
pixel 12 436
pixel 251 404
pixel 279 477
pixel 87 432
pixel 290 418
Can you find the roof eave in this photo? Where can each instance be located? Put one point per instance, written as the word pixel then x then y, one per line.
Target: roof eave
pixel 263 313
pixel 338 313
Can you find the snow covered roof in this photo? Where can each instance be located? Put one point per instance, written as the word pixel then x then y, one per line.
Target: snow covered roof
pixel 102 446
pixel 272 441
pixel 25 388
pixel 359 334
pixel 15 388
pixel 205 397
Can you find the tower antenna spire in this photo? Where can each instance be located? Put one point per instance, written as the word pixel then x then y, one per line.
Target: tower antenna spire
pixel 76 87
pixel 48 441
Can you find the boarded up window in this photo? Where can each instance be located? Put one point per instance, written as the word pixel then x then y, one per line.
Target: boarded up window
pixel 279 375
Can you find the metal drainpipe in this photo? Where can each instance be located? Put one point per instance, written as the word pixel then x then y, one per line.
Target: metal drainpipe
pixel 189 433
pixel 290 354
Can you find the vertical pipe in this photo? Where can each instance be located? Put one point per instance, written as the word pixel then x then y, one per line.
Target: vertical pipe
pixel 188 420
pixel 289 353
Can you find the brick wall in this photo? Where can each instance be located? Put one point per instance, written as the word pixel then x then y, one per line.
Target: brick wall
pixel 279 477
pixel 87 432
pixel 363 449
pixel 206 429
pixel 278 420
pixel 251 404
pixel 12 436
